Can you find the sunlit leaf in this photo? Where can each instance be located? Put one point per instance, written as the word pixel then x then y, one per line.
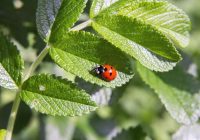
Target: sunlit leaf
pixel 141 41
pixel 80 52
pixel 55 96
pixel 164 16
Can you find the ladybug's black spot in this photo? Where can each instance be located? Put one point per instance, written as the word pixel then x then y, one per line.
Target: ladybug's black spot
pixel 110 73
pixel 105 69
pixel 111 67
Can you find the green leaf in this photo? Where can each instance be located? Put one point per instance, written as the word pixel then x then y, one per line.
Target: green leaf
pixel 99 5
pixel 178 91
pixel 2 134
pixel 11 64
pixel 141 41
pixel 57 16
pixel 165 17
pixel 55 96
pixel 80 52
pixel 136 133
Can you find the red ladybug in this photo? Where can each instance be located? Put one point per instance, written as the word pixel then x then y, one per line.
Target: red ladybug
pixel 107 72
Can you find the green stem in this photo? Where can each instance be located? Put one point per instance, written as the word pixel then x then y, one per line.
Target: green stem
pixel 82 25
pixel 12 117
pixel 16 103
pixel 36 62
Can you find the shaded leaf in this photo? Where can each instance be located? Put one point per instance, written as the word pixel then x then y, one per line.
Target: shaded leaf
pixel 132 134
pixel 52 95
pixel 57 16
pixel 80 52
pixel 11 64
pixel 141 41
pixel 165 17
pixel 175 89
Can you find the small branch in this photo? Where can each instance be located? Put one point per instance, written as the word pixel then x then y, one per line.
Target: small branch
pixel 36 62
pixel 12 117
pixel 81 26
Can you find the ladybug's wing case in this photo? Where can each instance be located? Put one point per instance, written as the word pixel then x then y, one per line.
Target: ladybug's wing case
pixel 109 73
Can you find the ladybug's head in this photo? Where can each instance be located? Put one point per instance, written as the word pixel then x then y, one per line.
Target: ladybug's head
pixel 99 69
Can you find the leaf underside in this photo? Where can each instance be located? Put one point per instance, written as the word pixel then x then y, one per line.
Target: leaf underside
pixel 52 95
pixel 11 64
pixel 57 16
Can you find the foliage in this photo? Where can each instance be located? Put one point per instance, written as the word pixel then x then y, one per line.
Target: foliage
pixel 138 37
pixel 52 95
pixel 11 64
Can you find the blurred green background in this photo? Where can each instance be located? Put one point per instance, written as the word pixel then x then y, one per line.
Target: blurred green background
pixel 133 111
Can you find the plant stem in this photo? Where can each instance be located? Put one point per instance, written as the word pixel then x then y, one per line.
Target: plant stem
pixel 81 26
pixel 12 117
pixel 16 103
pixel 37 62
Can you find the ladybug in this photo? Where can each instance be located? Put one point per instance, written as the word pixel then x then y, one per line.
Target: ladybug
pixel 106 71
